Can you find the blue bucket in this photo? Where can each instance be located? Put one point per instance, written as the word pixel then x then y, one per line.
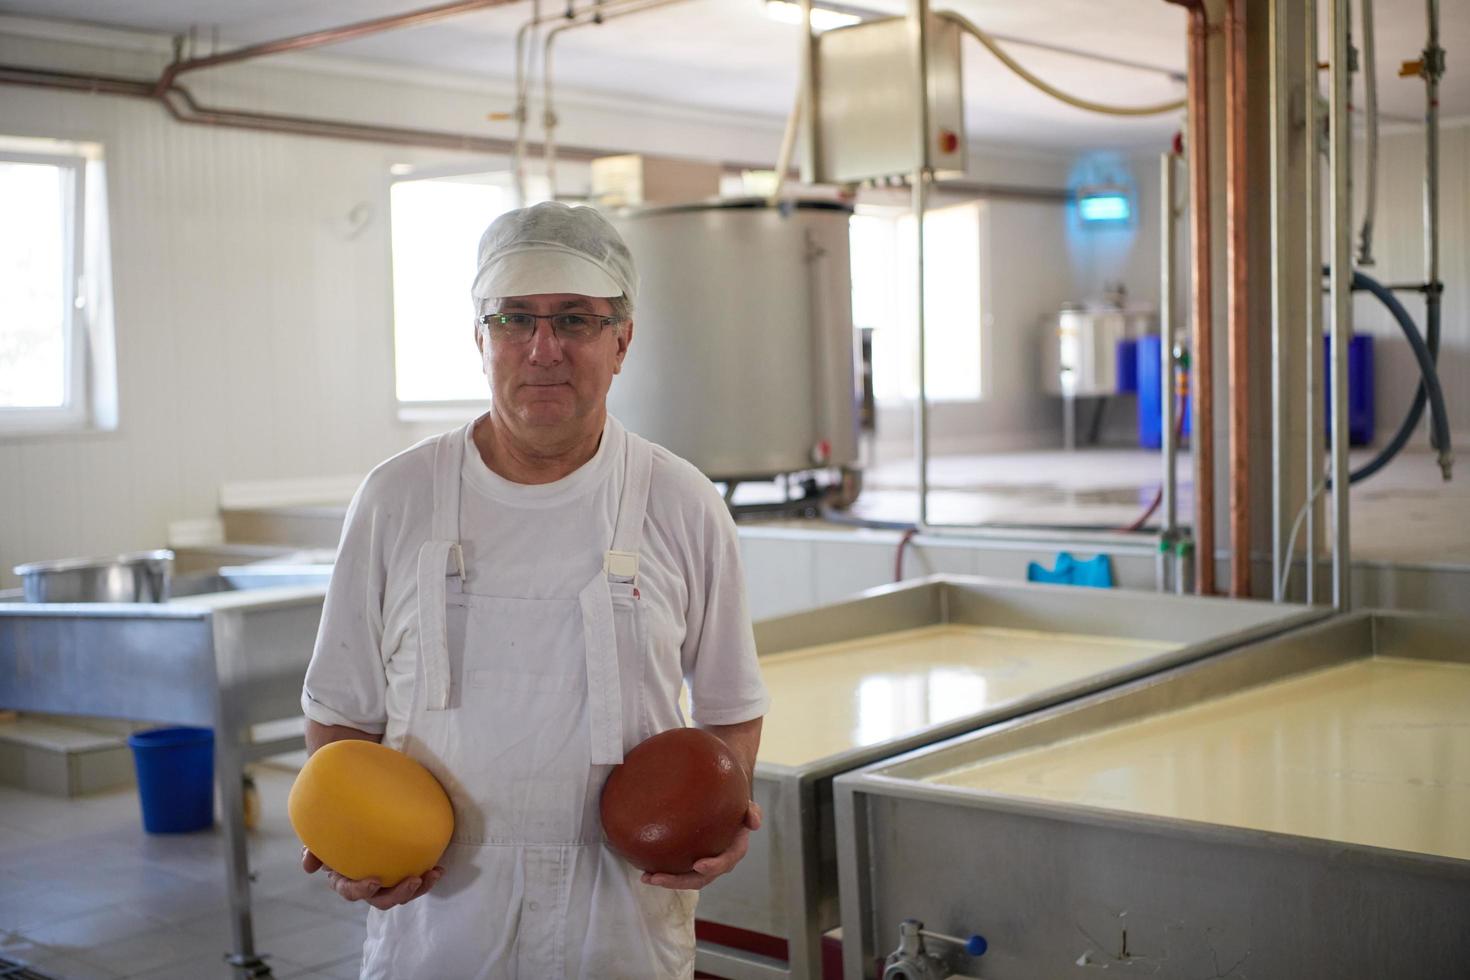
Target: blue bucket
pixel 175 769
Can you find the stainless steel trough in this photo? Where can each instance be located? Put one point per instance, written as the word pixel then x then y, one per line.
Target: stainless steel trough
pixel 229 660
pixel 1004 650
pixel 1298 807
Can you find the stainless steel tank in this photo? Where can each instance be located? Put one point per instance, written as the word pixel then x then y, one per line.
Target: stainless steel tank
pixel 742 358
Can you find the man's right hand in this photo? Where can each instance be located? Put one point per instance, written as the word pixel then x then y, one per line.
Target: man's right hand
pixel 368 889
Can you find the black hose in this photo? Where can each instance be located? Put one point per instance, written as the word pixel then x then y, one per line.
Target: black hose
pixel 1425 352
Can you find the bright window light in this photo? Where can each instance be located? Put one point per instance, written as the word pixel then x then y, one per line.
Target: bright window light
pixel 882 299
pixel 436 227
pixel 822 19
pixel 33 285
pixel 1103 206
pixel 57 363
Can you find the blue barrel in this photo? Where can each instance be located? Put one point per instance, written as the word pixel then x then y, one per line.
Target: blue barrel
pixel 175 769
pixel 1361 399
pixel 1127 354
pixel 1149 370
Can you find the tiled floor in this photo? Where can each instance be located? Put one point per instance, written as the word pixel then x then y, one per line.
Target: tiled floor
pixel 85 893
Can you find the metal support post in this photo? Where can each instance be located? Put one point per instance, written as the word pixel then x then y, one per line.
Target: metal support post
pixel 1341 217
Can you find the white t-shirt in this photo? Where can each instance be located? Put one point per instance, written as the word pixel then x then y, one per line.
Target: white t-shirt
pixel 540 541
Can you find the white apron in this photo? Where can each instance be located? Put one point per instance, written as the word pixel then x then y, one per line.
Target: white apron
pixel 522 709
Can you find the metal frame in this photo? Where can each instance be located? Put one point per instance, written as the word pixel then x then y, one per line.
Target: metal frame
pixel 1044 877
pixel 787 884
pixel 226 660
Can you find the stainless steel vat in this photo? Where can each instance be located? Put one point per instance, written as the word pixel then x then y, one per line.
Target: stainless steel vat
pixel 1060 889
pixel 141 576
pixel 742 359
pixel 787 885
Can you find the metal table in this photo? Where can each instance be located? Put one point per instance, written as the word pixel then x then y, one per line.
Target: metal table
pixel 787 885
pixel 228 660
pixel 1063 889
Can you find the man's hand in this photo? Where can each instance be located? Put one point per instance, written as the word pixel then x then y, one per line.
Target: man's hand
pixel 708 869
pixel 368 889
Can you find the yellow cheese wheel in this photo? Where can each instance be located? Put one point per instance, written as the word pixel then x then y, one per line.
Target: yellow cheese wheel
pixel 370 812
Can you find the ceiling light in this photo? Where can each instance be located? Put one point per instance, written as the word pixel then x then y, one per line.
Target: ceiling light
pixel 1103 205
pixel 824 18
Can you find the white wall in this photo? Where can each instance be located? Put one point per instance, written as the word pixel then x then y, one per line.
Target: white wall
pixel 254 333
pixel 1399 257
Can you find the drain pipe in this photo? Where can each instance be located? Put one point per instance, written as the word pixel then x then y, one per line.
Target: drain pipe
pixel 1202 339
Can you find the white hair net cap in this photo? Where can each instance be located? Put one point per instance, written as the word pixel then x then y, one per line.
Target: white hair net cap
pixel 553 248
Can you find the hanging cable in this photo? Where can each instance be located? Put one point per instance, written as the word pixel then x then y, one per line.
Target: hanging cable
pixel 1056 93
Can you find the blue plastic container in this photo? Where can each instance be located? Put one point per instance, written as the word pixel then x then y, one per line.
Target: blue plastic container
pixel 1127 354
pixel 1361 415
pixel 175 769
pixel 1150 398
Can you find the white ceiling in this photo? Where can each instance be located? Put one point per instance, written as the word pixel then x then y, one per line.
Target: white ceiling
pixel 726 55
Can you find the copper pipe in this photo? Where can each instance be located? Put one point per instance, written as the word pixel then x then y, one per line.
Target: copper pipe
pixel 182 105
pixel 1238 299
pixel 75 82
pixel 1202 336
pixel 316 39
pixel 184 108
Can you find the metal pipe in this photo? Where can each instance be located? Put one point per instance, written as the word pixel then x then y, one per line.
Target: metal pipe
pixel 1340 218
pixel 918 22
pixel 1434 295
pixel 1167 248
pixel 1202 338
pixel 1311 211
pixel 1238 300
pixel 1370 162
pixel 522 109
pixel 1280 101
pixel 183 107
pixel 581 18
pixel 316 39
pixel 812 169
pixel 193 111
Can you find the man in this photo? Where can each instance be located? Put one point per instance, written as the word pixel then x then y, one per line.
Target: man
pixel 515 604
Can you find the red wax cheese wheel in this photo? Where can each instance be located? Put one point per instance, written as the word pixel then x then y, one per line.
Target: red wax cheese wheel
pixel 370 812
pixel 678 797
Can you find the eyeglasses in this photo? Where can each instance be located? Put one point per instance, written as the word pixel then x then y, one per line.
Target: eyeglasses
pixel 570 328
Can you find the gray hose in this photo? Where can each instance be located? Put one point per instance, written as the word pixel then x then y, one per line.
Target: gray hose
pixel 1429 387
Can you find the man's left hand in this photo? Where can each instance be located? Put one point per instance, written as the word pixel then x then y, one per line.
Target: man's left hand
pixel 708 869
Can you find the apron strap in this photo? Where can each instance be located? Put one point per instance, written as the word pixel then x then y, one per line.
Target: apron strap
pixel 621 562
pixel 440 558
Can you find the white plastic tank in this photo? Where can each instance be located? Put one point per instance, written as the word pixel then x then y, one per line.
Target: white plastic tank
pixel 742 359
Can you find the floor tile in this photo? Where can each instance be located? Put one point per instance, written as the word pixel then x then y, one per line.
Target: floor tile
pixel 321 946
pixel 91 929
pixel 269 919
pixel 72 968
pixel 150 950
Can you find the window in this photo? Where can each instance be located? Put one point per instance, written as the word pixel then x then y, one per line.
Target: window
pixel 436 227
pixel 55 316
pixel 882 298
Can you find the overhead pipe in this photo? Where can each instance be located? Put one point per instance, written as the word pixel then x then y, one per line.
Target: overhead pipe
pixel 1202 336
pixel 316 39
pixel 578 18
pixel 1237 298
